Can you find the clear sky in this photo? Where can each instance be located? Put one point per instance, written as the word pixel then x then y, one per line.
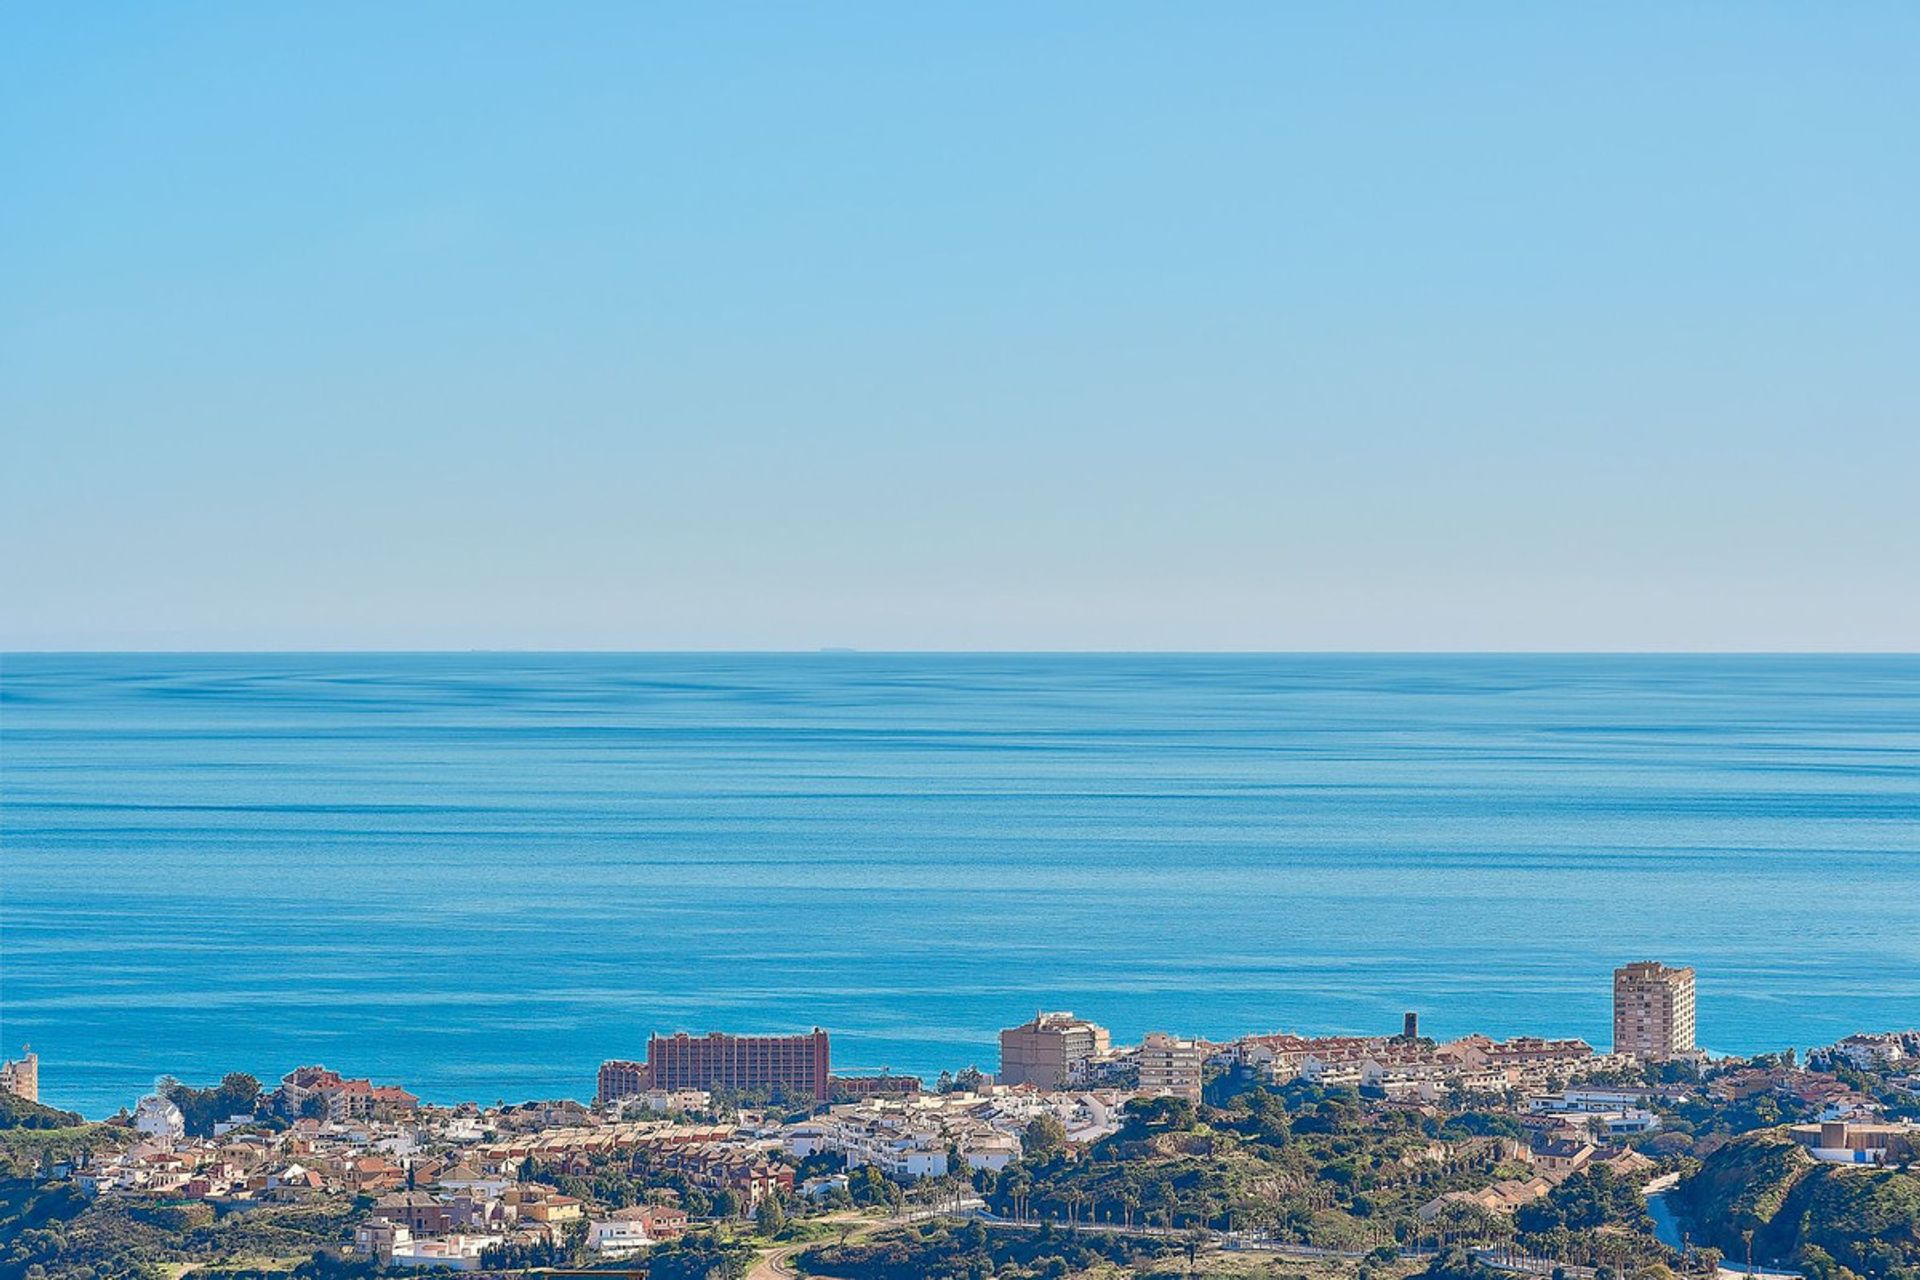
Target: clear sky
pixel 1263 326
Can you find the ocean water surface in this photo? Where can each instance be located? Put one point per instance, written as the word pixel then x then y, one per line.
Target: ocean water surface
pixel 479 874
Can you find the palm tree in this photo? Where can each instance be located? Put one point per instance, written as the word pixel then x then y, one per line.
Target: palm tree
pixel 1195 1238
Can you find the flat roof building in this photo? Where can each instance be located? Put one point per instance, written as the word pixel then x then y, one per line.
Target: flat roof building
pixel 622 1079
pixel 1045 1051
pixel 787 1065
pixel 1652 1011
pixel 1171 1066
pixel 21 1077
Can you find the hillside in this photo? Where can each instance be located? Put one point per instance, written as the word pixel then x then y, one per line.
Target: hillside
pixel 1823 1217
pixel 17 1113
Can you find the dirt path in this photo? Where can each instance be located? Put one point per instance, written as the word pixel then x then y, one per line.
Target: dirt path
pixel 776 1264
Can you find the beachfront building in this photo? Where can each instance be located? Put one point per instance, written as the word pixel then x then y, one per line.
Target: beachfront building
pixel 339 1098
pixel 886 1084
pixel 1653 1011
pixel 1049 1051
pixel 621 1079
pixel 788 1065
pixel 21 1077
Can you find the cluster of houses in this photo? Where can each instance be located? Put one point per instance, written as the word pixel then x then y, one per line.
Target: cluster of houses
pixel 1408 1069
pixel 1555 1158
pixel 933 1135
pixel 241 1165
pixel 1566 1131
pixel 445 1184
pixel 1829 1097
pixel 449 1220
pixel 1875 1051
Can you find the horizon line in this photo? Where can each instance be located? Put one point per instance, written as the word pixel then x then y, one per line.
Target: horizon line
pixel 844 651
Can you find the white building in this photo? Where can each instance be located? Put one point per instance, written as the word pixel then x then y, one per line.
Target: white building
pixel 906 1157
pixel 1332 1073
pixel 902 1146
pixel 1592 1101
pixel 803 1140
pixel 616 1237
pixel 1616 1124
pixel 455 1253
pixel 468 1181
pixel 1613 1110
pixel 993 1151
pixel 158 1118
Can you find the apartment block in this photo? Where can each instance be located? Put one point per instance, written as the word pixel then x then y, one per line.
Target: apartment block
pixel 21 1077
pixel 1171 1066
pixel 622 1079
pixel 790 1065
pixel 1045 1052
pixel 1652 1011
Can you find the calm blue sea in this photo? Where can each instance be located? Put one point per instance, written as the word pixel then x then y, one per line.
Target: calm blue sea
pixel 480 874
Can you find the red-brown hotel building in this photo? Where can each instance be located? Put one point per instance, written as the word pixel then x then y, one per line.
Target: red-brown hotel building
pixel 786 1064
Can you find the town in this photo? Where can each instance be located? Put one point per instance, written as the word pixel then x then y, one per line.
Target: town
pixel 720 1155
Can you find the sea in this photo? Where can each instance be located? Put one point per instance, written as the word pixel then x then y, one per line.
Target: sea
pixel 479 874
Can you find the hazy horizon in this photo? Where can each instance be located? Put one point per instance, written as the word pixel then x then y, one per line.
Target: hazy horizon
pixel 828 651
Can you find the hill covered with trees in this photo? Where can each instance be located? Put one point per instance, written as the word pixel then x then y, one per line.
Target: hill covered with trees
pixel 1834 1221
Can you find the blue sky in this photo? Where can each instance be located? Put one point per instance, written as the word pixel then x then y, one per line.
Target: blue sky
pixel 1027 326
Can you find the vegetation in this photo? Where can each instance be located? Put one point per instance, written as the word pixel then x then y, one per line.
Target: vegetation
pixel 25 1152
pixel 1834 1221
pixel 699 1255
pixel 968 1251
pixel 237 1094
pixel 51 1232
pixel 1457 1263
pixel 1594 1197
pixel 18 1113
pixel 1300 1164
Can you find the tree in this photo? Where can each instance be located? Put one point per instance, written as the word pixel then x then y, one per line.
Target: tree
pixel 1165 1114
pixel 1195 1240
pixel 768 1217
pixel 1455 1262
pixel 1592 1198
pixel 17 1113
pixel 1044 1138
pixel 237 1094
pixel 698 1255
pixel 574 1236
pixel 870 1188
